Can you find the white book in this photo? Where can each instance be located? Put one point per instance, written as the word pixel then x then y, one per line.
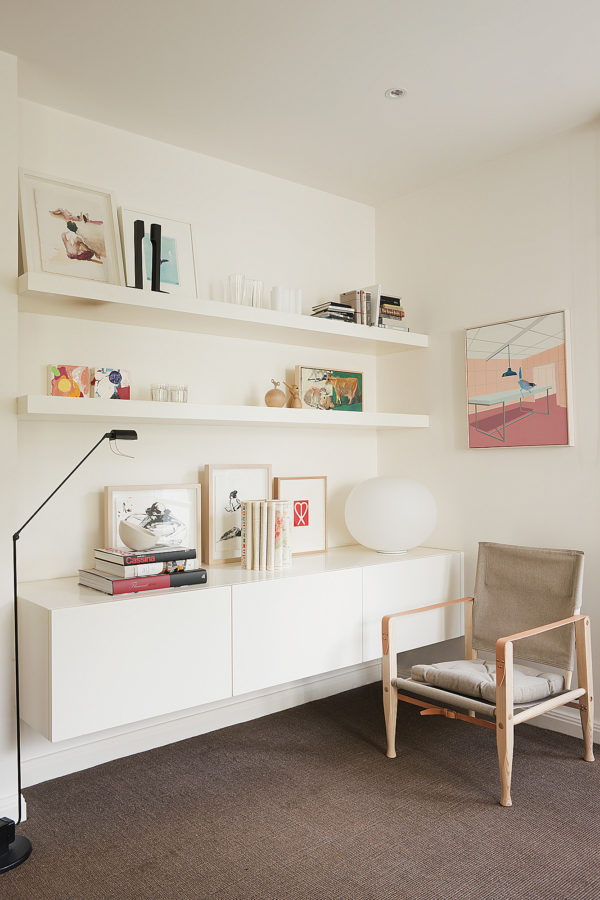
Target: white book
pixel 374 291
pixel 249 534
pixel 278 535
pixel 286 543
pixel 255 535
pixel 244 534
pixel 263 535
pixel 271 535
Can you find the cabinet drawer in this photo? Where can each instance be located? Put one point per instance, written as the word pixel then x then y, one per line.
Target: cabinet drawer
pixel 407 584
pixel 292 628
pixel 119 662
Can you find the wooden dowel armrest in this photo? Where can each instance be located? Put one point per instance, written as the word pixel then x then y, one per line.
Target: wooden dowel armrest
pixel 502 642
pixel 385 622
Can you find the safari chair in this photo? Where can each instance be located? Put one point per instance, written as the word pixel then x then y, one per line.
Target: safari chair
pixel 532 596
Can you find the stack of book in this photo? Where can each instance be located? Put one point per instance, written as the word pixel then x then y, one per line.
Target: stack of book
pixel 365 304
pixel 391 313
pixel 266 534
pixel 331 309
pixel 126 571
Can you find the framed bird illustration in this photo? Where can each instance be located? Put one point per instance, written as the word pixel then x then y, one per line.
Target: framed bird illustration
pixel 528 409
pixel 225 488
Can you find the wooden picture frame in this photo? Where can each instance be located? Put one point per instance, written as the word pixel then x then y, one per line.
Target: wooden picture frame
pixel 305 511
pixel 330 389
pixel 219 481
pixel 184 501
pixel 69 228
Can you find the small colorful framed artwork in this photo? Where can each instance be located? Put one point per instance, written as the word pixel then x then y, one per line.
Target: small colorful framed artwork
pixel 518 383
pixel 68 381
pixel 172 512
pixel 177 272
pixel 225 488
pixel 111 384
pixel 309 511
pixel 69 229
pixel 330 389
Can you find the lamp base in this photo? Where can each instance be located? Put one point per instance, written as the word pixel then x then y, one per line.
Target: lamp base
pixel 14 848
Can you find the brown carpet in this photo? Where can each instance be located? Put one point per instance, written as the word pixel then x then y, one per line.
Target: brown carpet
pixel 304 804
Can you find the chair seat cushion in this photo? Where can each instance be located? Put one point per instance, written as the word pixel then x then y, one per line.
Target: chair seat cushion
pixel 477 678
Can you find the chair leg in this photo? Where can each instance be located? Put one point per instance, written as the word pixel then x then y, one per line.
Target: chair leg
pixel 390 710
pixel 505 739
pixel 587 725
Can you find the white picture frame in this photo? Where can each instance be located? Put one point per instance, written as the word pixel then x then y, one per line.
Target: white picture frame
pixel 135 500
pixel 68 228
pixel 222 485
pixel 177 248
pixel 308 494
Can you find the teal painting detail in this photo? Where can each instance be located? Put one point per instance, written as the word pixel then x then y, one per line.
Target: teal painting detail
pixel 169 273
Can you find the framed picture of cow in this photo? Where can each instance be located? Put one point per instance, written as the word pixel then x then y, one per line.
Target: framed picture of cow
pixel 330 389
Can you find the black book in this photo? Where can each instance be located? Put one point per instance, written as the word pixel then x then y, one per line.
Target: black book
pixel 135 558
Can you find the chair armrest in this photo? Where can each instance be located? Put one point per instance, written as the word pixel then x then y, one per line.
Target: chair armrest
pixel 385 622
pixel 503 641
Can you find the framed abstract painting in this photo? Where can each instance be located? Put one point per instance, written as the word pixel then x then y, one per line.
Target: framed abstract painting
pixel 69 229
pixel 518 383
pixel 225 488
pixel 177 271
pixel 309 511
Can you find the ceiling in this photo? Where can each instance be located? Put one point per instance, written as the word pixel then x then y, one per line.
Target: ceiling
pixel 520 339
pixel 296 89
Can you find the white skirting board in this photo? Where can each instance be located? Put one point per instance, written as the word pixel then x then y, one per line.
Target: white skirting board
pixel 147 736
pixel 567 721
pixel 9 807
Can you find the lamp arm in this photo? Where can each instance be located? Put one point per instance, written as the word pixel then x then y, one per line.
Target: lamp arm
pixel 17 533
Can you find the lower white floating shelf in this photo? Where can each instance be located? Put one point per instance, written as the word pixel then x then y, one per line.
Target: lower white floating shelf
pixel 37 407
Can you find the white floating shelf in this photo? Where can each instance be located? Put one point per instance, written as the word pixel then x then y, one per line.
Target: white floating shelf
pixel 137 412
pixel 60 295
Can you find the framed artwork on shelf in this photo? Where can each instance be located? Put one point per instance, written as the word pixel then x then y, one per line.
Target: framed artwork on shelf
pixel 169 512
pixel 69 229
pixel 330 389
pixel 225 488
pixel 111 384
pixel 68 381
pixel 518 383
pixel 177 270
pixel 309 511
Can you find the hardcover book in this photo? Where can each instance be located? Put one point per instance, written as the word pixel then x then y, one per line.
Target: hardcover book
pixel 132 558
pixel 112 584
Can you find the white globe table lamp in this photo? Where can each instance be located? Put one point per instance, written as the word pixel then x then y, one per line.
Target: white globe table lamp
pixel 390 514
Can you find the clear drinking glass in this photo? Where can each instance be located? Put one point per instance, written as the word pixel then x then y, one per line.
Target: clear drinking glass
pixel 253 289
pixel 160 392
pixel 234 289
pixel 178 393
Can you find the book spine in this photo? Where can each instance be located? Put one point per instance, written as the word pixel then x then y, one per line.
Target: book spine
pixel 286 544
pixel 132 585
pixel 134 559
pixel 278 535
pixel 249 534
pixel 363 308
pixel 256 535
pixel 270 536
pixel 263 535
pixel 243 559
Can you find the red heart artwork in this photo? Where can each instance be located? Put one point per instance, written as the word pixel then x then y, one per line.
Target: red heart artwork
pixel 300 513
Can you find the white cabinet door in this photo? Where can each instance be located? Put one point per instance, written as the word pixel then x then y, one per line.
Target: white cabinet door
pixel 115 663
pixel 292 628
pixel 407 584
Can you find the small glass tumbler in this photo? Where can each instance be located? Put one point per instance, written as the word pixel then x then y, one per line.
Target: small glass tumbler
pixel 178 393
pixel 253 289
pixel 160 392
pixel 234 289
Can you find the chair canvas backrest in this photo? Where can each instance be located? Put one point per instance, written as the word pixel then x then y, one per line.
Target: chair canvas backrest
pixel 518 588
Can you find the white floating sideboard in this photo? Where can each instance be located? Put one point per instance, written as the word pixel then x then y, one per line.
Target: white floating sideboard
pixel 91 662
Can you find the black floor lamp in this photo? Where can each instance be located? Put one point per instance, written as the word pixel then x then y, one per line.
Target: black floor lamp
pixel 15 848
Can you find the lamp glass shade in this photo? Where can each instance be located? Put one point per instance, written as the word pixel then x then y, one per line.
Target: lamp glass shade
pixel 390 514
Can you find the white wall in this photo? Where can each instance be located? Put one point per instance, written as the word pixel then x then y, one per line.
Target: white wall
pixel 513 238
pixel 8 429
pixel 243 221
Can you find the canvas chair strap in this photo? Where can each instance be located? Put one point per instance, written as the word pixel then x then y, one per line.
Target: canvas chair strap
pixel 429 710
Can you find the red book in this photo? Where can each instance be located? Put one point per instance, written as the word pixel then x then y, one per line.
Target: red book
pixel 112 584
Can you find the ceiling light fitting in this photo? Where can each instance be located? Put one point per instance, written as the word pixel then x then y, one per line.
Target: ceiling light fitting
pixel 395 93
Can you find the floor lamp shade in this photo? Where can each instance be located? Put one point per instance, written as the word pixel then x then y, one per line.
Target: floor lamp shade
pixel 390 514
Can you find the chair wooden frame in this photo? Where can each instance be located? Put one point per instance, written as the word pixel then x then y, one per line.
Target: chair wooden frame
pixel 580 698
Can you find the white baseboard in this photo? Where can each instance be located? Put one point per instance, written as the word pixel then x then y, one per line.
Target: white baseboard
pixel 9 807
pixel 566 721
pixel 210 718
